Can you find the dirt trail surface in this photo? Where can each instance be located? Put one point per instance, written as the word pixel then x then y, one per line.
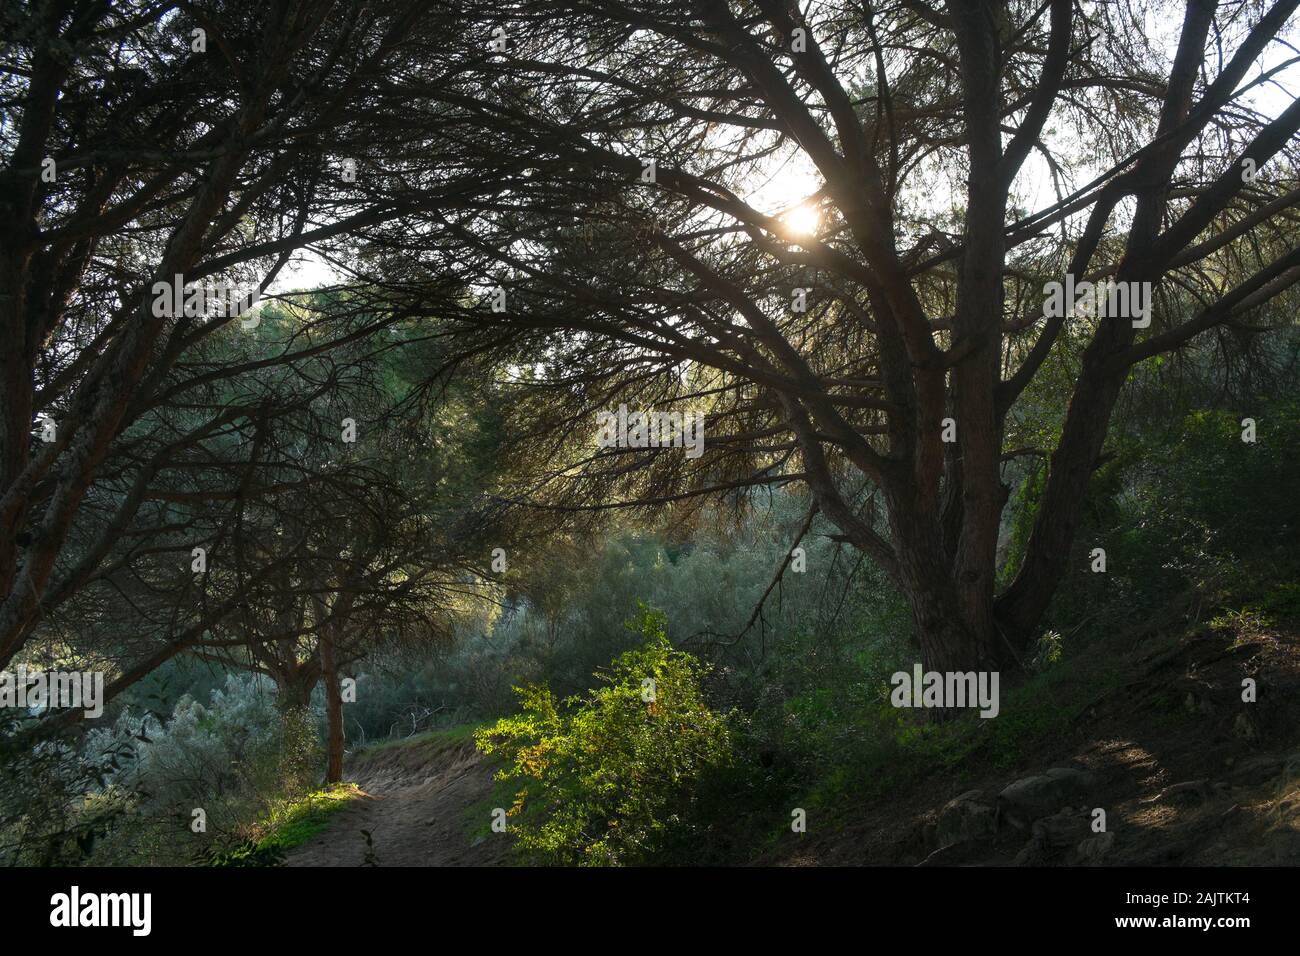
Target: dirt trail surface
pixel 419 804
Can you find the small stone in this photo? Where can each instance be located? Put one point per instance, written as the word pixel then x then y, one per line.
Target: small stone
pixel 964 818
pixel 1095 847
pixel 1033 798
pixel 1061 829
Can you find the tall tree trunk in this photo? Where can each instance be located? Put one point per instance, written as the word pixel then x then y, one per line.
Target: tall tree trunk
pixel 293 690
pixel 950 638
pixel 297 730
pixel 333 710
pixel 953 632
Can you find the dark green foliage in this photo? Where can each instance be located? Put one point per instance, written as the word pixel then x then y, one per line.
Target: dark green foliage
pixel 248 853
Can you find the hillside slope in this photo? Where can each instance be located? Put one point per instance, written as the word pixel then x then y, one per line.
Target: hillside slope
pixel 1186 772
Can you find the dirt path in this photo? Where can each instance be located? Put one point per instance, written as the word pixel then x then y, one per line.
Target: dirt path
pixel 421 806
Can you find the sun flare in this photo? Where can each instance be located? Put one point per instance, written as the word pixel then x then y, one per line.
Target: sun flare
pixel 802 220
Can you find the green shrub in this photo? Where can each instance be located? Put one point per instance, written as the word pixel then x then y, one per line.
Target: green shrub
pixel 238 756
pixel 604 778
pixel 247 853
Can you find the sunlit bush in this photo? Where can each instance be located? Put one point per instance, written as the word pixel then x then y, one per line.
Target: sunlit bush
pixel 604 778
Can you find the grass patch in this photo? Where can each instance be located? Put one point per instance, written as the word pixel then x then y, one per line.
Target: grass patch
pixel 446 737
pixel 295 822
pixel 290 824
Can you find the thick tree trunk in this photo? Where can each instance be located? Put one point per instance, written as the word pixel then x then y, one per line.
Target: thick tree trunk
pixel 950 645
pixel 297 730
pixel 949 638
pixel 953 622
pixel 333 712
pixel 293 690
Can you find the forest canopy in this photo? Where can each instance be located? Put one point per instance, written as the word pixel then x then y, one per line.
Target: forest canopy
pixel 381 357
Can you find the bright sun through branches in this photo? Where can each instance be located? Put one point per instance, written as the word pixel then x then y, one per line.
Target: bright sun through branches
pixel 802 220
